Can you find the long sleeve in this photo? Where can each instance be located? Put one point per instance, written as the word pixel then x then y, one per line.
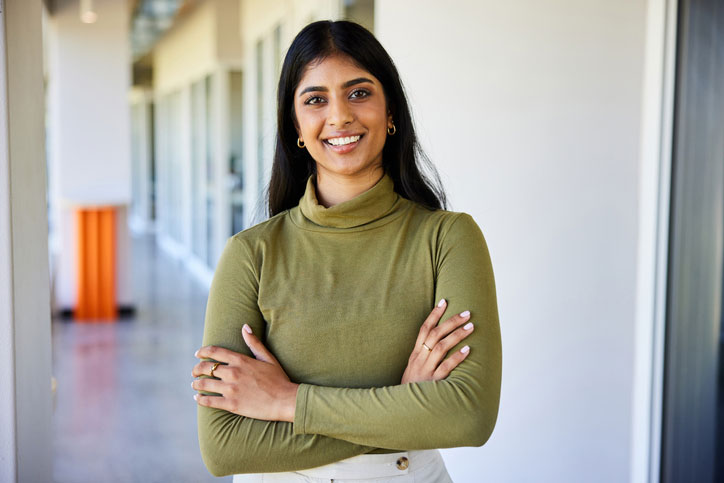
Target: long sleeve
pixel 460 410
pixel 236 444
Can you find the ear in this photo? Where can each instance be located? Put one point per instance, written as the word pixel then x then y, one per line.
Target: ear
pixel 389 119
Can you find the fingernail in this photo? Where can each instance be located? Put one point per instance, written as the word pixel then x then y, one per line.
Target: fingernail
pixel 196 396
pixel 441 303
pixel 465 314
pixel 247 328
pixel 468 326
pixel 196 354
pixel 465 349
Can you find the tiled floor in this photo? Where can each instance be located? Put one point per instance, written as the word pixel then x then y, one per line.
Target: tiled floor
pixel 124 410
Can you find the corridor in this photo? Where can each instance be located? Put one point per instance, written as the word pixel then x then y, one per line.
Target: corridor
pixel 124 410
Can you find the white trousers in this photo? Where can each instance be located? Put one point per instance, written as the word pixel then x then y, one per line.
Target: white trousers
pixel 418 466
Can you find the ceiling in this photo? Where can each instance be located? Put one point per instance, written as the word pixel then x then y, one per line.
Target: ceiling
pixel 150 19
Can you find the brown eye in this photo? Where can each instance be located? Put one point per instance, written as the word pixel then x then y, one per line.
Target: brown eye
pixel 313 100
pixel 359 93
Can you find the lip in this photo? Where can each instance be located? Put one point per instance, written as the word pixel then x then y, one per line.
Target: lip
pixel 347 147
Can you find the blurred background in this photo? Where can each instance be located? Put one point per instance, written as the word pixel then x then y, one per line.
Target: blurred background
pixel 586 138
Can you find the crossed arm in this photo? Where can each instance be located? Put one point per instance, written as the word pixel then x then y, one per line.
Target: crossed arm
pixel 331 423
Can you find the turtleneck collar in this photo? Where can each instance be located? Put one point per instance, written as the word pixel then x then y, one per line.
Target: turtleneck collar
pixel 375 205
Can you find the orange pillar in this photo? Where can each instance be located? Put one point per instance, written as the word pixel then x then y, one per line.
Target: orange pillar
pixel 96 264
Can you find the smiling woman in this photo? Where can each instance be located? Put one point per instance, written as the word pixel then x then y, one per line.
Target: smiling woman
pixel 356 331
pixel 343 120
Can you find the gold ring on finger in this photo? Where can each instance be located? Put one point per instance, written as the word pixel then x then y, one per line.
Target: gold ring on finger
pixel 216 364
pixel 426 347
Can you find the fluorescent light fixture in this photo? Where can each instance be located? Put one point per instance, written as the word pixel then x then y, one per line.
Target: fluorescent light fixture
pixel 87 14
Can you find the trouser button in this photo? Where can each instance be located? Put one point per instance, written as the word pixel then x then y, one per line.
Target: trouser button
pixel 402 463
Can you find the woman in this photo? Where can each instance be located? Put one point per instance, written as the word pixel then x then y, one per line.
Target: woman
pixel 326 360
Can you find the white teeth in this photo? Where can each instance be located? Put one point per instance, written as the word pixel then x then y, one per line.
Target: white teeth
pixel 343 141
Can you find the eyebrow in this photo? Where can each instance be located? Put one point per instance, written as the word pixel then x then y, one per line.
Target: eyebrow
pixel 349 83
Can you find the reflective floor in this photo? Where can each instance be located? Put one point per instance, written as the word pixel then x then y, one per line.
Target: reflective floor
pixel 124 410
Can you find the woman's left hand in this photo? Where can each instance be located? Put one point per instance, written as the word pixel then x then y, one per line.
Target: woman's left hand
pixel 256 388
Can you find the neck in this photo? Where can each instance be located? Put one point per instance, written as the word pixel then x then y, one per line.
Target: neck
pixel 333 188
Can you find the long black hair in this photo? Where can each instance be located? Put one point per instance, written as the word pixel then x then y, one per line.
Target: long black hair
pixel 402 157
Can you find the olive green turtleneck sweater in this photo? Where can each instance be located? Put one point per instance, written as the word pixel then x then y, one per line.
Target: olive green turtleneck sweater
pixel 338 295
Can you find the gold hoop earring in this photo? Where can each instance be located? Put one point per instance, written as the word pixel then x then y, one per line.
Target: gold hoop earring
pixel 300 143
pixel 393 130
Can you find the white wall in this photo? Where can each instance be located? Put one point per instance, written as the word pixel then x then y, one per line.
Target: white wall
pixel 89 81
pixel 531 112
pixel 89 144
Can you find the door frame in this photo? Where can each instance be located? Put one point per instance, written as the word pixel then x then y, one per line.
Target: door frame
pixel 25 343
pixel 657 117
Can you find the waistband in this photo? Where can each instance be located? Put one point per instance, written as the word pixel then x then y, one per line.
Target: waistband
pixel 375 465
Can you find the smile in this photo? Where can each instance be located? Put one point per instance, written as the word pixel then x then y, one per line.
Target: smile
pixel 343 141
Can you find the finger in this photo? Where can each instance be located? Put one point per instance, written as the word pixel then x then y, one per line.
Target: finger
pixel 441 349
pixel 430 322
pixel 203 368
pixel 446 327
pixel 218 402
pixel 209 385
pixel 450 363
pixel 256 346
pixel 219 354
pixel 452 339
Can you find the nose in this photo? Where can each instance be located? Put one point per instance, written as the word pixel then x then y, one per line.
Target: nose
pixel 339 113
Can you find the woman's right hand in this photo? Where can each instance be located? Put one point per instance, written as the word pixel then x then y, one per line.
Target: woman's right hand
pixel 428 365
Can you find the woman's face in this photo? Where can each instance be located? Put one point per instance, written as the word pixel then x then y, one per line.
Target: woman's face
pixel 342 117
